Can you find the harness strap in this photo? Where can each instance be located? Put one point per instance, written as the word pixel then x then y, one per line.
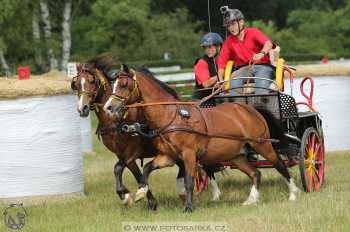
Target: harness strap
pixel 136 105
pixel 206 144
pixel 175 128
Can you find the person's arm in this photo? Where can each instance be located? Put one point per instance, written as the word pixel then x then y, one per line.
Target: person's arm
pixel 224 57
pixel 221 73
pixel 264 51
pixel 209 83
pixel 263 40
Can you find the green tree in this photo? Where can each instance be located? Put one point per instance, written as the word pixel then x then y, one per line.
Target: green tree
pixel 317 32
pixel 130 31
pixel 15 33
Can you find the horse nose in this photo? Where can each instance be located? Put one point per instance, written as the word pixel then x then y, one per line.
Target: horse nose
pixel 86 108
pixel 85 111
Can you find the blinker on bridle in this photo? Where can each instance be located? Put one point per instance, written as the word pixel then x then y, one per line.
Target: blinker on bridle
pixel 135 88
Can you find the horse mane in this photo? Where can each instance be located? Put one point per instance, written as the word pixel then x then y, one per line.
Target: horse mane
pixel 105 62
pixel 150 75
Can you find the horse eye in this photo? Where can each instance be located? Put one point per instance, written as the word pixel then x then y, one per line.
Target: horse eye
pixel 93 81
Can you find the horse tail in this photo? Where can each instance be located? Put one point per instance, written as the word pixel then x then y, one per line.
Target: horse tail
pixel 275 127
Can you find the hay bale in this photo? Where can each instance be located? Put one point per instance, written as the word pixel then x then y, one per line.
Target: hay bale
pixel 41 151
pixel 48 84
pixel 41 155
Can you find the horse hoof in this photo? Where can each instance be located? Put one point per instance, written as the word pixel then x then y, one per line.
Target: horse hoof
pixel 216 197
pixel 249 202
pixel 294 195
pixel 128 201
pixel 152 206
pixel 188 209
pixel 141 193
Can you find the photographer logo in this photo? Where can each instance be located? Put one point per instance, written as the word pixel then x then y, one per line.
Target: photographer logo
pixel 15 216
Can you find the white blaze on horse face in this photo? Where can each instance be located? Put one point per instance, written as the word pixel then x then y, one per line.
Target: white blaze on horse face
pixel 82 83
pixel 110 100
pixel 81 99
pixel 106 106
pixel 115 85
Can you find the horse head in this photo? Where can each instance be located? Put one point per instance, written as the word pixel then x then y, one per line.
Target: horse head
pixel 87 83
pixel 125 91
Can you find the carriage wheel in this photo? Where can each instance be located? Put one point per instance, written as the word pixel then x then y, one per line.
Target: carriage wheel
pixel 312 161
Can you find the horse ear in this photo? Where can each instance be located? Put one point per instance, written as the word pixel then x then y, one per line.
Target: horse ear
pixel 125 68
pixel 73 85
pixel 79 66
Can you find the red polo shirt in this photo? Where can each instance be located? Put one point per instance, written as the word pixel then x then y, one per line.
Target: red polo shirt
pixel 201 71
pixel 243 51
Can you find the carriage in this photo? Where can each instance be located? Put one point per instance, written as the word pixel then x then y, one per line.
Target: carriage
pixel 303 129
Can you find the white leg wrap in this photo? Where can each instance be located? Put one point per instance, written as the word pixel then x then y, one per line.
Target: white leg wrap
pixel 141 193
pixel 293 190
pixel 126 197
pixel 216 191
pixel 180 186
pixel 253 196
pixel 127 200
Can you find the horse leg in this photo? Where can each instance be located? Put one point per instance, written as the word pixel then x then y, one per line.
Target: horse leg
pixel 180 180
pixel 189 186
pixel 151 201
pixel 210 171
pixel 160 161
pixel 189 158
pixel 121 190
pixel 254 174
pixel 267 151
pixel 215 189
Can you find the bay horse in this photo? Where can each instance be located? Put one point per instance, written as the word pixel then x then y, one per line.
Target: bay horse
pixel 94 88
pixel 183 131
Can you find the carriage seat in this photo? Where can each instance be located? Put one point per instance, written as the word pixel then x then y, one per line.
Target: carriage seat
pixel 275 61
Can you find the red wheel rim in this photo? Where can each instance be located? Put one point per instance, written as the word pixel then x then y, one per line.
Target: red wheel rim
pixel 314 162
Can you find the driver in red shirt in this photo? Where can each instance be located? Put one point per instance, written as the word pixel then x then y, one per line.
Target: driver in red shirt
pixel 244 45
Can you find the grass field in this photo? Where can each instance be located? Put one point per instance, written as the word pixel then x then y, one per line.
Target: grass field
pixel 101 210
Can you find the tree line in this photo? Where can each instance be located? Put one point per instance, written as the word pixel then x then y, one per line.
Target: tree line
pixel 47 34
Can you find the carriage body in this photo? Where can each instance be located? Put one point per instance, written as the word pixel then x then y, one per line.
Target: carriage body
pixel 305 146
